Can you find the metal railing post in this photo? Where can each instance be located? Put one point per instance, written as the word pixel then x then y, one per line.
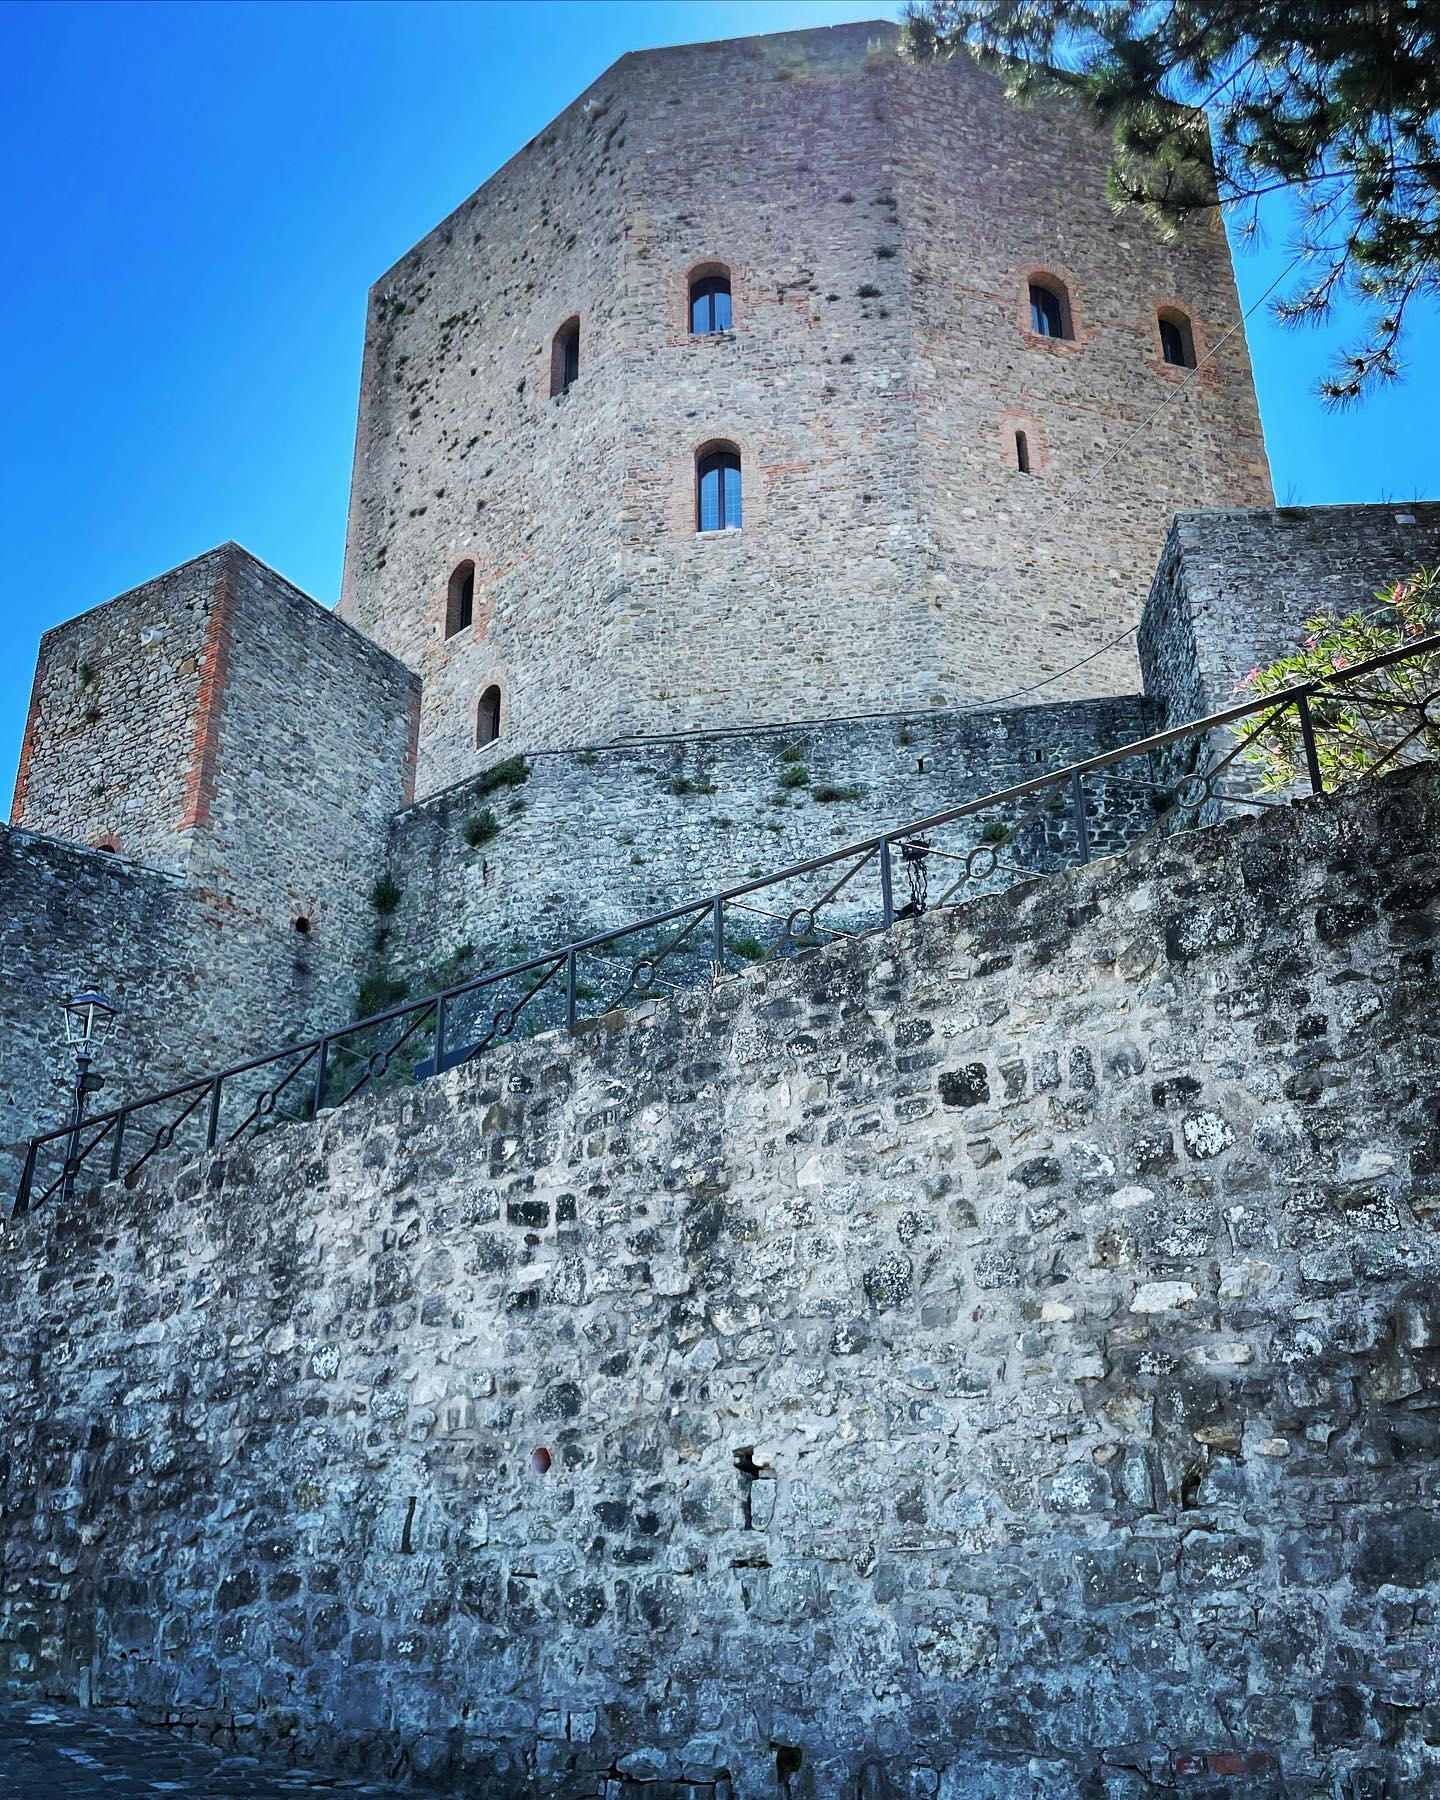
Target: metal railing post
pixel 27 1181
pixel 440 1005
pixel 887 885
pixel 117 1147
pixel 212 1114
pixel 1307 738
pixel 1077 810
pixel 322 1071
pixel 717 933
pixel 570 989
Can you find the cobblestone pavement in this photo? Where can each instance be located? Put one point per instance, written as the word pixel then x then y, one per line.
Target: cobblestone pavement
pixel 56 1753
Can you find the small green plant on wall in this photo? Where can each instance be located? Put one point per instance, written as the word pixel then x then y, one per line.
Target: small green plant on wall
pixel 480 828
pixel 1380 722
pixel 385 895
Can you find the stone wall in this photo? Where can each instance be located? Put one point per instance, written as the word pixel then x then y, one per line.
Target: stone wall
pixel 880 225
pixel 1234 586
pixel 72 919
pixel 996 1359
pixel 596 839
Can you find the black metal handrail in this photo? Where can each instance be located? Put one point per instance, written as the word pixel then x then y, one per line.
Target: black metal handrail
pixel 1049 815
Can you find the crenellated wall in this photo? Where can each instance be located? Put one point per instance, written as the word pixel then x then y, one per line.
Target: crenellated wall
pixel 996 1358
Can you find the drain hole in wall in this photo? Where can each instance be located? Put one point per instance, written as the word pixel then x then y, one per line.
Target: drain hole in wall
pixel 745 1461
pixel 788 1759
pixel 540 1461
pixel 407 1546
pixel 303 926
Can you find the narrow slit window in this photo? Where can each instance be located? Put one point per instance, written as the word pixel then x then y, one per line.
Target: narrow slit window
pixel 487 718
pixel 1022 453
pixel 1176 344
pixel 565 358
pixel 460 600
pixel 710 305
pixel 1047 312
pixel 717 491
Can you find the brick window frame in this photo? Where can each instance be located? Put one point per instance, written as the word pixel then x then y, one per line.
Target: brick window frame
pixel 1164 307
pixel 1039 450
pixel 502 728
pixel 482 610
pixel 681 473
pixel 677 302
pixel 688 489
pixel 554 367
pixel 1063 283
pixel 463 574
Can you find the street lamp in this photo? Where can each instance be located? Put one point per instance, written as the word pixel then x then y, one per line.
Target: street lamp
pixel 88 1019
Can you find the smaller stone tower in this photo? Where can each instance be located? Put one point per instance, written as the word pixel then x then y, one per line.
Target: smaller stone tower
pixel 236 752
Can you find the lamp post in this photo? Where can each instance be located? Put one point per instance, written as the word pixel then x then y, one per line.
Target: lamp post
pixel 88 1018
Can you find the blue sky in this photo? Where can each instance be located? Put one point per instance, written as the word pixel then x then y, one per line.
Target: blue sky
pixel 199 197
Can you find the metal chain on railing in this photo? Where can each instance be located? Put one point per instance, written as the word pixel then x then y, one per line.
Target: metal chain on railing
pixel 1036 827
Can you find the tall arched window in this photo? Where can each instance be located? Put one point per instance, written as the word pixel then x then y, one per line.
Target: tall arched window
pixel 717 489
pixel 565 357
pixel 1049 313
pixel 487 718
pixel 460 600
pixel 710 304
pixel 1177 342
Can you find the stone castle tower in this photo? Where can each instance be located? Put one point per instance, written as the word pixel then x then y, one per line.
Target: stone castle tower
pixel 779 401
pixel 531 546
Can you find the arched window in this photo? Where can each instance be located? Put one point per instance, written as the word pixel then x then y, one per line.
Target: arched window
pixel 460 600
pixel 565 358
pixel 1049 310
pixel 710 304
pixel 717 489
pixel 487 718
pixel 1177 341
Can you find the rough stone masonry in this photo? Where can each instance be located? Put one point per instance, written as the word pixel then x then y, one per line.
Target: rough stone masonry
pixel 995 1358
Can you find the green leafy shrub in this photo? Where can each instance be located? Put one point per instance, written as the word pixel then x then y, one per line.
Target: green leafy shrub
pixel 1369 726
pixel 993 831
pixel 826 792
pixel 513 772
pixel 792 753
pixel 867 290
pixel 480 828
pixel 794 775
pixel 750 948
pixel 386 894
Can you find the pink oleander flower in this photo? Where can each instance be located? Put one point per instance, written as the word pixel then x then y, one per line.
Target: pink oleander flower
pixel 1340 661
